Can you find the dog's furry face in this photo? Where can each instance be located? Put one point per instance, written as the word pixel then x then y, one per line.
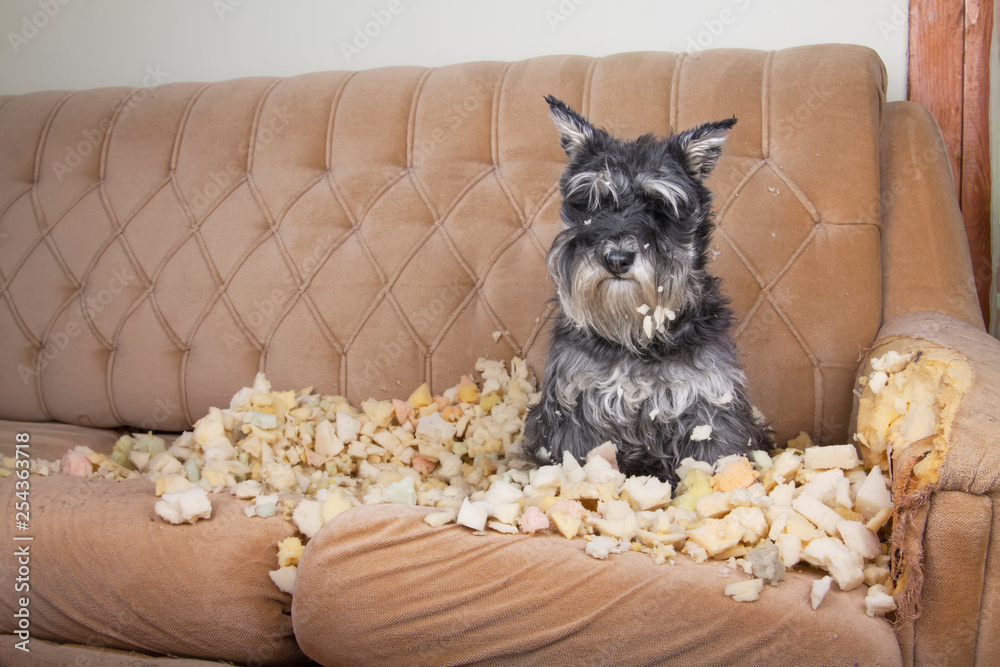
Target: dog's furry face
pixel 637 223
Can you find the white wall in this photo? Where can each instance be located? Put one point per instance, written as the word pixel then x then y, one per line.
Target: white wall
pixel 75 44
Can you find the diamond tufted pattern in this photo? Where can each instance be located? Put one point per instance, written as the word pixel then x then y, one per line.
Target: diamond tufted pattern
pixel 364 232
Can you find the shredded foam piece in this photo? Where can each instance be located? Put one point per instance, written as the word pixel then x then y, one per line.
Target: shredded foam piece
pixel 284 578
pixel 879 601
pixel 844 457
pixel 184 506
pixel 289 551
pixel 745 591
pixel 75 463
pixel 601 547
pixel 437 519
pixel 820 588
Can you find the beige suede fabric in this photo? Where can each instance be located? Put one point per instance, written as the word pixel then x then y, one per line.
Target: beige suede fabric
pixel 951 533
pixel 367 231
pixel 925 253
pixel 48 654
pixel 106 571
pixel 956 548
pixel 448 596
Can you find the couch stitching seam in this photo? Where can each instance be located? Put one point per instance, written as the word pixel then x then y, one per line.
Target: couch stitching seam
pixel 765 106
pixel 675 87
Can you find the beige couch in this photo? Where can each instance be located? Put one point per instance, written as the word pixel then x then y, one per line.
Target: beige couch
pixel 364 232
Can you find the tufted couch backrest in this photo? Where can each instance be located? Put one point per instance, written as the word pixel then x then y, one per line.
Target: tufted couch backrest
pixel 363 232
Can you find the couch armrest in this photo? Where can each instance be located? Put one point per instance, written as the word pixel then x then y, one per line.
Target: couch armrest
pixel 925 252
pixel 946 486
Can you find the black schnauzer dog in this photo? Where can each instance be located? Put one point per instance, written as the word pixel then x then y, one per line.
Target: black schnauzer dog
pixel 641 353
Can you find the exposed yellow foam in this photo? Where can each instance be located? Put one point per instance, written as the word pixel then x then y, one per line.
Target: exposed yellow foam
pixel 911 394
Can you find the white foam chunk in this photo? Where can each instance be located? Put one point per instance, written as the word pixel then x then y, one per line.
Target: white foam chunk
pixel 473 514
pixel 186 506
pixel 646 493
pixel 879 603
pixel 891 362
pixel 859 539
pixel 844 457
pixel 284 578
pixel 819 514
pixel 347 427
pixel 745 591
pixel 440 518
pixel 402 492
pixel 601 547
pixel 308 516
pixel 819 590
pixel 833 556
pixel 701 432
pixel 873 495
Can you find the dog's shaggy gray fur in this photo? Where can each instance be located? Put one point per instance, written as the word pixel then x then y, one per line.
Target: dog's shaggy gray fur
pixel 640 352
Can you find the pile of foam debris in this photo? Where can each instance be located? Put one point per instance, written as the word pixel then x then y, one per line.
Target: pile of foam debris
pixel 310 457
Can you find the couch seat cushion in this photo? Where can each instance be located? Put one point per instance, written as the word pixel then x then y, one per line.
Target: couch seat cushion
pixel 377 586
pixel 106 571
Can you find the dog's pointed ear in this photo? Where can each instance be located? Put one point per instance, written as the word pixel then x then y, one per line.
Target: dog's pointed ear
pixel 700 147
pixel 575 132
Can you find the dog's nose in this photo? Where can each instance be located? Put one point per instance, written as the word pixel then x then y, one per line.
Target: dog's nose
pixel 618 261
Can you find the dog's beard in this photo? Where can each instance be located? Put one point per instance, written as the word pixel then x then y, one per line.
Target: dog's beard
pixel 632 310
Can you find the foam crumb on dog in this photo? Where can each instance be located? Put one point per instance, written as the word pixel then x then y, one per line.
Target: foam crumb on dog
pixel 702 432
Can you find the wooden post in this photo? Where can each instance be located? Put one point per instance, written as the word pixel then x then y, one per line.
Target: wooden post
pixel 949 74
